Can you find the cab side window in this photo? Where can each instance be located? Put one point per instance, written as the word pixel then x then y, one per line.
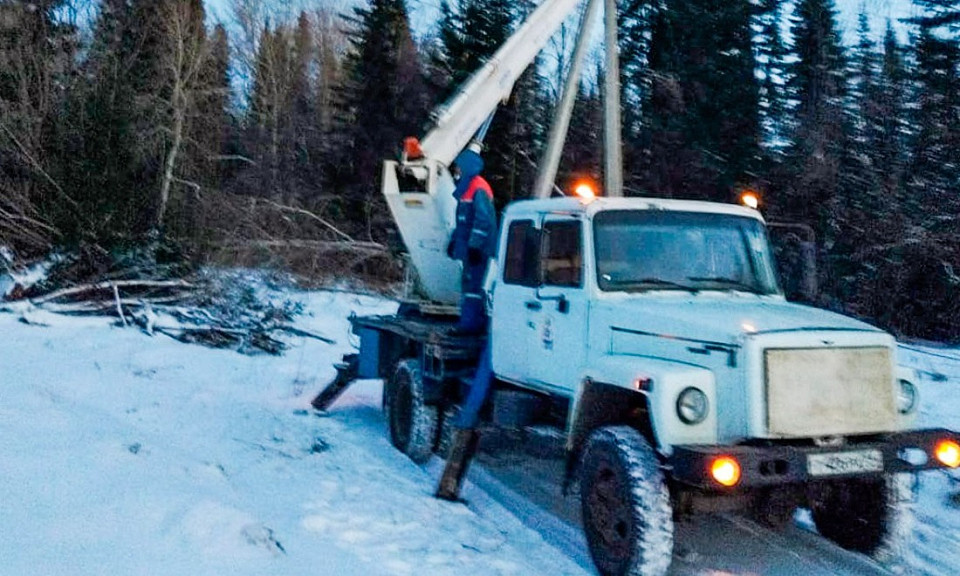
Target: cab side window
pixel 521 265
pixel 563 254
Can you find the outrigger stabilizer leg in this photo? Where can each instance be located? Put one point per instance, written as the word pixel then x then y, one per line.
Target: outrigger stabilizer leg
pixel 346 374
pixel 465 442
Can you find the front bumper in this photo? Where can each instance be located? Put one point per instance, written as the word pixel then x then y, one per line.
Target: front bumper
pixel 780 464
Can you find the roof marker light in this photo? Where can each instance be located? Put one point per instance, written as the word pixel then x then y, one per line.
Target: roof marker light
pixel 584 191
pixel 750 199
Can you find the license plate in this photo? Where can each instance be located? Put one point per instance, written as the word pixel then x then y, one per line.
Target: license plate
pixel 837 463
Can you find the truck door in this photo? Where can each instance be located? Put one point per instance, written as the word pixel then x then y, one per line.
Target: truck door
pixel 557 348
pixel 514 297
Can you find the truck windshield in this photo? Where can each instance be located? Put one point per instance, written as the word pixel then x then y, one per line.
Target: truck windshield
pixel 645 250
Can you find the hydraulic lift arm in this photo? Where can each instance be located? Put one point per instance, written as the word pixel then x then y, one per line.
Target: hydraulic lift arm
pixel 464 114
pixel 419 188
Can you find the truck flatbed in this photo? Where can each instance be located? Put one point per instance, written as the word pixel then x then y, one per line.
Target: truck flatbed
pixel 384 340
pixel 426 329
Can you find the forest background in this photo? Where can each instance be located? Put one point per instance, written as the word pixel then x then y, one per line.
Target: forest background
pixel 146 134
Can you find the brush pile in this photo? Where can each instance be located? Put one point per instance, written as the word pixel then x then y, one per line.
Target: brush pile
pixel 240 310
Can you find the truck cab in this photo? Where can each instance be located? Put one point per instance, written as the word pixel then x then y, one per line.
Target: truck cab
pixel 691 384
pixel 679 301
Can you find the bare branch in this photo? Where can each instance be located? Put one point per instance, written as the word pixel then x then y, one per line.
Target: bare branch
pixel 36 165
pixel 76 290
pixel 311 215
pixel 368 248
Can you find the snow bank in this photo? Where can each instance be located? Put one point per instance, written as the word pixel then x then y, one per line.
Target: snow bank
pixel 125 454
pixel 937 530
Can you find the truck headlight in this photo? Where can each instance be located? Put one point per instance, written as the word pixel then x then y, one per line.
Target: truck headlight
pixel 907 398
pixel 692 406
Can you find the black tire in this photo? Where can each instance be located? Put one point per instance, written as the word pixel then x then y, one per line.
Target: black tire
pixel 411 422
pixel 447 431
pixel 868 516
pixel 627 515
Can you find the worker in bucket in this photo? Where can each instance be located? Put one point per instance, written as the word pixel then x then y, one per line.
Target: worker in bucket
pixel 474 240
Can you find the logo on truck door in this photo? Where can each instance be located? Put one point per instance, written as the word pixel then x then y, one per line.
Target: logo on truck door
pixel 546 334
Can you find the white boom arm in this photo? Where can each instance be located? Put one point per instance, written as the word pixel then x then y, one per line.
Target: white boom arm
pixel 465 113
pixel 419 191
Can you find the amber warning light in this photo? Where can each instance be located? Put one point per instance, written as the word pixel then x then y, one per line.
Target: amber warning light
pixel 726 471
pixel 585 191
pixel 750 199
pixel 948 453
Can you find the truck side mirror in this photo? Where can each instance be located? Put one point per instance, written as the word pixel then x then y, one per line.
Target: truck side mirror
pixel 563 305
pixel 795 250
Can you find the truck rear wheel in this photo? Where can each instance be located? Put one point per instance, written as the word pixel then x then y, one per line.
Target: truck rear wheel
pixel 412 423
pixel 869 516
pixel 627 515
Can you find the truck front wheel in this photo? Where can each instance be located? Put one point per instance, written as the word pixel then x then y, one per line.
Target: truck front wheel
pixel 869 516
pixel 627 515
pixel 412 423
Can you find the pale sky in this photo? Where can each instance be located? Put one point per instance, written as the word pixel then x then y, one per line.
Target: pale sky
pixel 424 12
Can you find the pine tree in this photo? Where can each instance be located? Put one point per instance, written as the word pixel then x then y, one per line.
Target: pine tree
pixel 771 57
pixel 865 212
pixel 105 158
pixel 384 100
pixel 860 173
pixel 934 174
pixel 703 110
pixel 887 123
pixel 307 117
pixel 939 14
pixel 272 87
pixel 876 154
pixel 37 62
pixel 818 84
pixel 214 122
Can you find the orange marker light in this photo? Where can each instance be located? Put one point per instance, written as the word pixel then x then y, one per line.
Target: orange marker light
pixel 726 471
pixel 411 148
pixel 948 453
pixel 750 200
pixel 585 191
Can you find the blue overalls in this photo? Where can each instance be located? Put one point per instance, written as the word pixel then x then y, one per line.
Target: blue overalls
pixel 474 240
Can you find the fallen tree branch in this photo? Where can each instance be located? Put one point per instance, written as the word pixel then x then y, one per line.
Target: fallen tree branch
pixel 305 334
pixel 109 286
pixel 232 158
pixel 116 296
pixel 318 245
pixel 86 307
pixel 311 215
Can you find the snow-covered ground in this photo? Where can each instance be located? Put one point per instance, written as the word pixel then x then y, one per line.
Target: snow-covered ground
pixel 122 454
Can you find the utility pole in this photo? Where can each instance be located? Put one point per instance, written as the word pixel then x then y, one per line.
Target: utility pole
pixel 613 147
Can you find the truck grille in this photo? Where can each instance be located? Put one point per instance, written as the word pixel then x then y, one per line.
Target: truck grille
pixel 829 391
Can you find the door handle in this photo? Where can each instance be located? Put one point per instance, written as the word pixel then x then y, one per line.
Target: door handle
pixel 534 305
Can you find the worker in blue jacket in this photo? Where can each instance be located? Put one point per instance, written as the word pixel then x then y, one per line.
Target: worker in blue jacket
pixel 474 243
pixel 474 240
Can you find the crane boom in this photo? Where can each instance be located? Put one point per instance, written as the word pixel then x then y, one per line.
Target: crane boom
pixel 419 189
pixel 465 113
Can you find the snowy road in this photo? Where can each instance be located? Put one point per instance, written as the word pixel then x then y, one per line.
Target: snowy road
pixel 125 454
pixel 707 546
